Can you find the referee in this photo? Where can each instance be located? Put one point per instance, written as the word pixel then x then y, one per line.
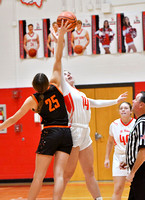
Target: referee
pixel 135 151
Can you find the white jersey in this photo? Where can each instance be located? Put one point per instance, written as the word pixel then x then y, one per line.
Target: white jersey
pixel 31 41
pixel 120 132
pixel 77 105
pixel 79 113
pixel 53 43
pixel 80 37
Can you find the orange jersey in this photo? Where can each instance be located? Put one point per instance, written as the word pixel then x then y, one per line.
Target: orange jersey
pixel 53 111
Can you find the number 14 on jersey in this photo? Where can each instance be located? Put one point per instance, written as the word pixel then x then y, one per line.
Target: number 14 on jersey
pixel 85 103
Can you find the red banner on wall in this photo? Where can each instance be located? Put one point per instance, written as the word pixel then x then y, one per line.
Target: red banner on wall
pixel 94 50
pixel 119 33
pixel 45 35
pixel 21 38
pixel 38 3
pixel 95 40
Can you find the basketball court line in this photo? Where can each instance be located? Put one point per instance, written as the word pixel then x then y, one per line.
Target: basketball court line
pixel 69 195
pixel 20 198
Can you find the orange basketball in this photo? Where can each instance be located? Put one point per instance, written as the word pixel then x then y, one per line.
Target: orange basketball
pixel 78 49
pixel 67 16
pixel 32 52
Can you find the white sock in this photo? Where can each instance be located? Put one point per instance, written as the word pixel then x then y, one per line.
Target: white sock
pixel 99 198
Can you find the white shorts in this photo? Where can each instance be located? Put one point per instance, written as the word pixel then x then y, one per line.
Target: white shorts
pixel 131 43
pixel 116 171
pixel 106 46
pixel 81 137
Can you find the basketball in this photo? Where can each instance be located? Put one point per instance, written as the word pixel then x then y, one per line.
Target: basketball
pixel 32 52
pixel 67 16
pixel 78 49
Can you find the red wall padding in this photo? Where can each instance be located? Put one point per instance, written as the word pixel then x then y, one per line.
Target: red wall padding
pixel 139 86
pixel 17 156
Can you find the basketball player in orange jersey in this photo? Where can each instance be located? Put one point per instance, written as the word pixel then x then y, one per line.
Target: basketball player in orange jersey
pixel 31 40
pixel 79 112
pixel 106 35
pixel 80 37
pixel 118 137
pixel 56 136
pixel 129 33
pixel 51 39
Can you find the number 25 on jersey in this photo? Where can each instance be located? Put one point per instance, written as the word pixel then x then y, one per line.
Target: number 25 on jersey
pixel 53 103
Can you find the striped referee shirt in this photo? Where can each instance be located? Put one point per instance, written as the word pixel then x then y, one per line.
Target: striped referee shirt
pixel 136 140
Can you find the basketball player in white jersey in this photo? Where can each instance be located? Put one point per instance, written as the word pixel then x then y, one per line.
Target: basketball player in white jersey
pixel 78 107
pixel 118 136
pixel 80 37
pixel 51 40
pixel 31 40
pixel 54 36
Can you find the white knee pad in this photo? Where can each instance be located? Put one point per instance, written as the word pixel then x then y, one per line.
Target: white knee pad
pixel 99 198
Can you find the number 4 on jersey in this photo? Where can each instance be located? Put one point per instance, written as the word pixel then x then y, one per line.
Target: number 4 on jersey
pixel 85 103
pixel 124 139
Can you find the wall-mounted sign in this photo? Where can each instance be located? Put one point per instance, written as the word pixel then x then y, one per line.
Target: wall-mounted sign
pixel 38 3
pixel 3 116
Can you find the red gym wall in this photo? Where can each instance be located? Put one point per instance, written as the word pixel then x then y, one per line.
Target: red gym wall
pixel 139 86
pixel 17 149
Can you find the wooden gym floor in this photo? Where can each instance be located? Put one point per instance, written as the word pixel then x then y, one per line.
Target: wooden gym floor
pixel 74 191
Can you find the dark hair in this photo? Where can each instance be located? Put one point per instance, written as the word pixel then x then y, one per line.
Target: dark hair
pixel 130 106
pixel 124 22
pixel 104 25
pixel 142 98
pixel 40 84
pixel 30 25
pixel 79 22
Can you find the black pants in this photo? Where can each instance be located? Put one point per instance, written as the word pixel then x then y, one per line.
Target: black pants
pixel 137 188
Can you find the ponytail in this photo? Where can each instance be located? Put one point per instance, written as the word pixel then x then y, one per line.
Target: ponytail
pixel 40 104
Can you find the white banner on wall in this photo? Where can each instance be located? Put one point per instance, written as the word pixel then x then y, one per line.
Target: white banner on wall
pixel 135 20
pixel 108 33
pixel 81 36
pixel 38 29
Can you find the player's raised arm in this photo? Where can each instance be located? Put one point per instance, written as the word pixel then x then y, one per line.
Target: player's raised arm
pixel 56 74
pixel 27 105
pixel 104 103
